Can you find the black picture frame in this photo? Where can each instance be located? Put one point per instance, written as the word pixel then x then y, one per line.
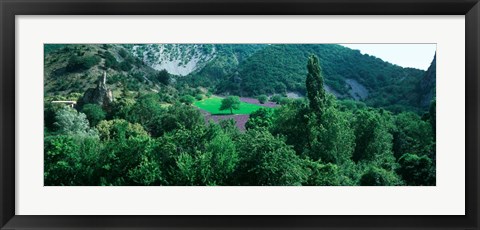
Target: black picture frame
pixel 10 8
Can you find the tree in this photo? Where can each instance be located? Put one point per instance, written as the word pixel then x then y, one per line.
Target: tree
pixel 262 99
pixel 49 113
pixel 230 103
pixel 314 84
pixel 373 141
pixel 262 118
pixel 291 121
pixel 70 122
pixel 267 160
pixel 59 154
pixel 147 112
pixel 130 162
pixel 71 160
pixel 119 129
pixel 187 99
pixel 412 135
pixel 333 140
pixel 322 174
pixel 76 63
pixel 416 170
pixel 217 164
pixel 163 77
pixel 379 177
pixel 94 113
pixel 179 115
pixel 276 98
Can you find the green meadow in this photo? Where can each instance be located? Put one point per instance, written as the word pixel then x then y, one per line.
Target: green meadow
pixel 212 105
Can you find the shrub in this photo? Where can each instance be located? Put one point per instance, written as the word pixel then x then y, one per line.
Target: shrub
pixel 262 99
pixel 187 99
pixel 76 63
pixel 111 61
pixel 123 53
pixel 94 113
pixel 125 66
pixel 276 98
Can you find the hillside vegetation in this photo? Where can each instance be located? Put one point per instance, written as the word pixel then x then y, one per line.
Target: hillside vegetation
pixel 151 132
pixel 279 69
pixel 75 68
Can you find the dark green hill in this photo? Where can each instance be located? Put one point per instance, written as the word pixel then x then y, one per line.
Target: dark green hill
pixel 347 72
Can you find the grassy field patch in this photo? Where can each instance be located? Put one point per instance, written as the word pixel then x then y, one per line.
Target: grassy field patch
pixel 212 105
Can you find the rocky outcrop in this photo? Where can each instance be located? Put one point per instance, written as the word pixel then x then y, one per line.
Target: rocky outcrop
pixel 357 91
pixel 427 86
pixel 99 95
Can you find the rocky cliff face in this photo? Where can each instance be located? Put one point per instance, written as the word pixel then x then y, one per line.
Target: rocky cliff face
pixel 428 83
pixel 99 95
pixel 177 59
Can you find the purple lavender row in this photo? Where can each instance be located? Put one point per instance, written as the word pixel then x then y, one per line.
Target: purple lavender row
pixel 254 101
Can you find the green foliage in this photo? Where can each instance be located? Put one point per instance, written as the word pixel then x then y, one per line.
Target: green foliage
pixel 49 113
pixel 433 115
pixel 291 121
pixel 412 135
pixel 181 116
pixel 111 61
pixel 263 72
pixel 146 173
pixel 322 175
pixel 123 53
pixel 198 156
pixel 332 140
pixel 70 122
pixel 125 66
pixel 163 77
pixel 315 92
pixel 94 113
pixel 49 48
pixel 217 164
pixel 213 104
pixel 59 151
pixel 262 98
pixel 187 99
pixel 267 160
pixel 230 103
pixel 379 177
pixel 153 139
pixel 373 141
pixel 76 63
pixel 276 98
pixel 129 162
pixel 70 160
pixel 147 112
pixel 262 118
pixel 416 170
pixel 119 129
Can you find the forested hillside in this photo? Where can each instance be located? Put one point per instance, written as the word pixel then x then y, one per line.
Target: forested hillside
pixel 348 74
pixel 113 117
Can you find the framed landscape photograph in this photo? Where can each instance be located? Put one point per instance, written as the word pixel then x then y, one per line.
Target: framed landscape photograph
pixel 239 115
pixel 250 115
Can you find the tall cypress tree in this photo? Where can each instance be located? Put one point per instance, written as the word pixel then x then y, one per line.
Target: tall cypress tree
pixel 314 83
